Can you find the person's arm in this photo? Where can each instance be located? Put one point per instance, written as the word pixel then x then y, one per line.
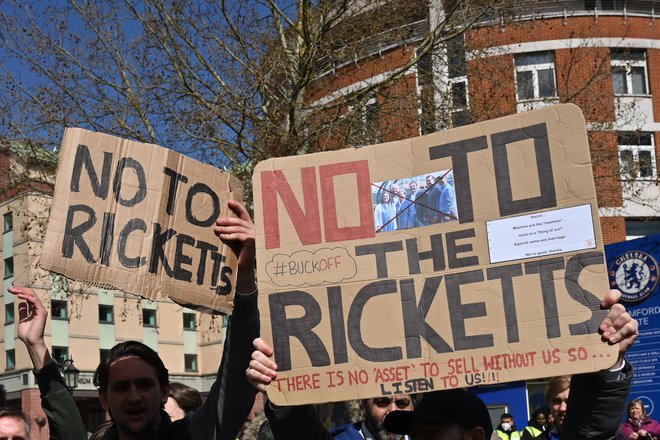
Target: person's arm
pixel 286 422
pixel 597 401
pixel 231 397
pixel 64 421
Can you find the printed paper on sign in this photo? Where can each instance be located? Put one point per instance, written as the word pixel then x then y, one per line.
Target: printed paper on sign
pixel 404 267
pixel 138 218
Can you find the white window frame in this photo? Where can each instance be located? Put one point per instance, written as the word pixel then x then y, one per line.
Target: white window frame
pixel 628 65
pixel 534 68
pixel 635 149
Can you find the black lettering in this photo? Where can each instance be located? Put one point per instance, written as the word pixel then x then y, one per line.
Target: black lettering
pixel 203 247
pixel 158 241
pixel 84 159
pixel 454 249
pixel 459 312
pixel 73 235
pixel 415 326
pixel 180 258
pixel 379 250
pixel 458 152
pixel 224 289
pixel 371 290
pixel 204 189
pixel 547 198
pixel 574 267
pixel 134 224
pixel 284 328
pixel 107 237
pixel 546 270
pixel 337 329
pixel 436 254
pixel 141 193
pixel 175 178
pixel 505 274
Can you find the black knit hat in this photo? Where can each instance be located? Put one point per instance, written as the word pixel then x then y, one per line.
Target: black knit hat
pixel 448 407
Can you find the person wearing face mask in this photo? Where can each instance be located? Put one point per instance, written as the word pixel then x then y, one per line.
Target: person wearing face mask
pixel 506 429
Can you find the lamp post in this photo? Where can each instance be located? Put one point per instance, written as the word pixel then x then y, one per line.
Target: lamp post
pixel 70 373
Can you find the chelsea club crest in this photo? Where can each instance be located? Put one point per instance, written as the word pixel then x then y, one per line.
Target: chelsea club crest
pixel 635 274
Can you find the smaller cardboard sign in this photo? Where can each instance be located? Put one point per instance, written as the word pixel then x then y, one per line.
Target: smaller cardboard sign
pixel 466 257
pixel 138 217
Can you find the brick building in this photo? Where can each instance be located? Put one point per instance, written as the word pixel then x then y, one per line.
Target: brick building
pixel 602 55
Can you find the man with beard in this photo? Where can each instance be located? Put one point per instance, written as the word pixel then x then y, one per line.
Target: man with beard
pixel 302 422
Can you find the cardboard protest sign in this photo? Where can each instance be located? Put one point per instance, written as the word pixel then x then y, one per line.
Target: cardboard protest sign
pixel 138 218
pixel 466 257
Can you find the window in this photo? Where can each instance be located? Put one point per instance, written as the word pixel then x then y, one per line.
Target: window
pixel 189 321
pixel 58 309
pixel 535 76
pixel 365 129
pixel 190 361
pixel 60 354
pixel 148 318
pixel 106 314
pixel 629 72
pixel 9 267
pixel 640 227
pixel 9 222
pixel 637 155
pixel 9 313
pixel 10 364
pixel 458 87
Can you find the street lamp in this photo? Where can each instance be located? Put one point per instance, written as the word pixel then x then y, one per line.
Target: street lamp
pixel 70 373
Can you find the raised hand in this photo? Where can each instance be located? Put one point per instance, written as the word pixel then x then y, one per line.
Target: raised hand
pixel 32 316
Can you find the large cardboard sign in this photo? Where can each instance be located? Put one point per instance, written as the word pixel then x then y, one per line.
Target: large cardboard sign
pixel 138 218
pixel 467 257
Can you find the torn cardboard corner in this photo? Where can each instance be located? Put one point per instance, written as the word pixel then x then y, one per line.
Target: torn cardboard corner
pixel 467 257
pixel 138 218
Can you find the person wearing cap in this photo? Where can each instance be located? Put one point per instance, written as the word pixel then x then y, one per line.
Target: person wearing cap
pixel 594 410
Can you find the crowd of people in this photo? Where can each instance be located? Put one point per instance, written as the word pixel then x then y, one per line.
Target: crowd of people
pixel 134 388
pixel 398 208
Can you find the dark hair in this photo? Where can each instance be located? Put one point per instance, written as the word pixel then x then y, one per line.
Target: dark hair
pixel 506 416
pixel 188 398
pixel 17 415
pixel 264 432
pixel 129 349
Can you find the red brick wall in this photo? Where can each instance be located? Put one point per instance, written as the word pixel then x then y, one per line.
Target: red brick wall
pixel 557 28
pixel 31 405
pixel 614 229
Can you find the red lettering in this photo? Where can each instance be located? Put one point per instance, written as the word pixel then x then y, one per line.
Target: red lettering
pixel 307 223
pixel 366 228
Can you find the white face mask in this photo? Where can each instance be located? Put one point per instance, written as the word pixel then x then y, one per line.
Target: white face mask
pixel 506 426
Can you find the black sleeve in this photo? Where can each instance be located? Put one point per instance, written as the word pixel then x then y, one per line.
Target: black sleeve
pixel 64 421
pixel 295 423
pixel 231 397
pixel 596 404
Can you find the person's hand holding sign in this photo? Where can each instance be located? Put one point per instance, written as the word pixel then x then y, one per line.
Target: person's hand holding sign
pixel 618 327
pixel 238 233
